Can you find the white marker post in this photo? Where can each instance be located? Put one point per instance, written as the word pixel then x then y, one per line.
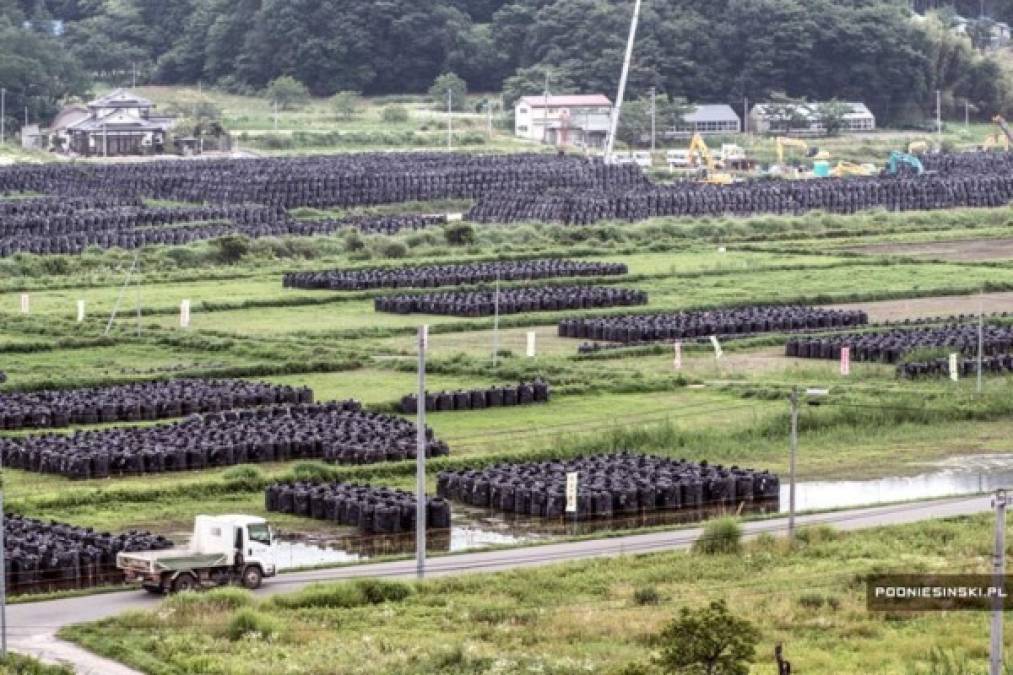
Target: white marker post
pixel 184 314
pixel 718 353
pixel 954 368
pixel 531 344
pixel 677 361
pixel 80 311
pixel 845 361
pixel 425 336
pixel 25 303
pixel 571 494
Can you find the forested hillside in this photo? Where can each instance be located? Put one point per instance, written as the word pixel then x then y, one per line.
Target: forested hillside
pixel 720 50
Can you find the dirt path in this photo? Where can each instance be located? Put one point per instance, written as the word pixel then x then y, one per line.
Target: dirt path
pixel 962 250
pixel 893 310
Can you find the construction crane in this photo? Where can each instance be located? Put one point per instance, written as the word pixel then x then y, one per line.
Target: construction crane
pixel 783 142
pixel 698 149
pixel 898 159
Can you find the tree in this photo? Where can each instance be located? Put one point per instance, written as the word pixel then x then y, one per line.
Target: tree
pixel 445 84
pixel 831 114
pixel 287 92
pixel 708 641
pixel 346 104
pixel 394 114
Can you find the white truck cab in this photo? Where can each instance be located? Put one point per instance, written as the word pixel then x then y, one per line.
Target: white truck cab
pixel 223 550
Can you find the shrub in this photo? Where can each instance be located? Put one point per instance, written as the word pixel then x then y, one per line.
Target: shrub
pixel 394 114
pixel 391 249
pixel 459 234
pixel 246 474
pixel 231 249
pixel 353 242
pixel 248 621
pixel 312 471
pixel 15 664
pixel 346 104
pixel 448 82
pixel 358 593
pixel 646 595
pixel 720 536
pixel 708 640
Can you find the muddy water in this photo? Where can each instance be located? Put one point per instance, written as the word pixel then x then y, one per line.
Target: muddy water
pixel 474 528
pixel 954 476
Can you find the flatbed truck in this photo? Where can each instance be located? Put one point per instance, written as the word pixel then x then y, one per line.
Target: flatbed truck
pixel 223 550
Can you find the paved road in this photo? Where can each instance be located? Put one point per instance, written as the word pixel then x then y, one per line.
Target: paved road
pixel 32 626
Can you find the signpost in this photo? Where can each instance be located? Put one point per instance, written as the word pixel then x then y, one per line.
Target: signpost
pixel 24 303
pixel 954 368
pixel 845 361
pixel 717 347
pixel 531 344
pixel 80 311
pixel 571 494
pixel 677 362
pixel 184 314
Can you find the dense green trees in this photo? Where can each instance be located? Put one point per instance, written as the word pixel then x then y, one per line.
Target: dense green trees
pixel 716 51
pixel 36 73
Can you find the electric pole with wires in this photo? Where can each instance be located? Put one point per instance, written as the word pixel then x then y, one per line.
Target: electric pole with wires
pixel 995 661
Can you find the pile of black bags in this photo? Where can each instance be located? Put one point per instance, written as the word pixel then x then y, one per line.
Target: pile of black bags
pixel 511 300
pixel 608 486
pixel 681 325
pixel 140 401
pixel 999 364
pixel 433 276
pixel 892 346
pixel 49 555
pixel 335 432
pixel 524 393
pixel 373 510
pixel 969 180
pixel 345 180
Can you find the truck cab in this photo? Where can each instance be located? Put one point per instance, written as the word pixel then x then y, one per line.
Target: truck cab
pixel 223 550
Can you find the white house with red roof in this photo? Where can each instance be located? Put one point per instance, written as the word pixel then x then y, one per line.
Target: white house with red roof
pixel 578 120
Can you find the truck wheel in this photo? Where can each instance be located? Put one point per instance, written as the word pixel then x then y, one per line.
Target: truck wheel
pixel 184 582
pixel 252 576
pixel 151 588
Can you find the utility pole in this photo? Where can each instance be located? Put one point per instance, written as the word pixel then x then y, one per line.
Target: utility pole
pixel 995 664
pixel 450 119
pixel 545 109
pixel 133 74
pixel 3 569
pixel 967 113
pixel 939 116
pixel 420 460
pixel 614 124
pixel 745 115
pixel 791 462
pixel 495 326
pixel 276 115
pixel 488 110
pixel 105 141
pixel 654 116
pixel 3 112
pixel 981 338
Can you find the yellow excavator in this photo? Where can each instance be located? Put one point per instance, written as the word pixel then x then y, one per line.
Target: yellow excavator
pixel 918 147
pixel 1000 139
pixel 699 154
pixel 783 142
pixel 851 169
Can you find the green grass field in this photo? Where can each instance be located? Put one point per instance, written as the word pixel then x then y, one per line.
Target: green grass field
pixel 580 617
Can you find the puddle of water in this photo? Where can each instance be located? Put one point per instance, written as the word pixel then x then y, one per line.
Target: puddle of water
pixel 954 476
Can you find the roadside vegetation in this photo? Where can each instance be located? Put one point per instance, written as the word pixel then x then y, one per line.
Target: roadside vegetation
pixel 636 614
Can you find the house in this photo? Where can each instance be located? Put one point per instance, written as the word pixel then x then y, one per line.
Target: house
pixel 581 120
pixel 708 119
pixel 768 118
pixel 119 123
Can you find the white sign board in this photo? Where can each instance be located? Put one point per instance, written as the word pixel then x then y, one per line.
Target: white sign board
pixel 571 492
pixel 25 307
pixel 184 314
pixel 80 311
pixel 845 361
pixel 717 347
pixel 531 343
pixel 954 368
pixel 722 250
pixel 677 362
pixel 454 217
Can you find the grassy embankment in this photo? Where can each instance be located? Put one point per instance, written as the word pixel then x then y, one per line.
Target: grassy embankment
pixel 596 616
